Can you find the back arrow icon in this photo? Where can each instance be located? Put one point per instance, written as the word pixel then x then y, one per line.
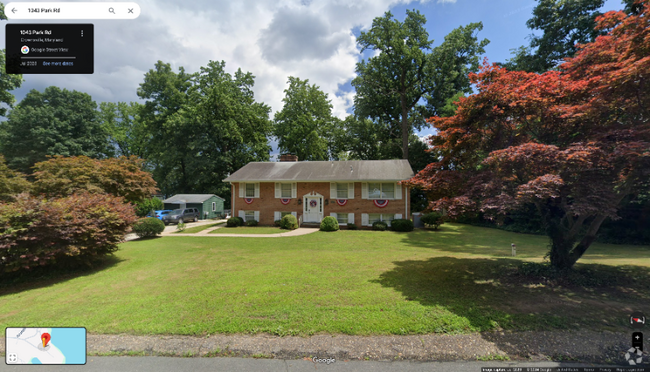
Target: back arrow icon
pixel 13 10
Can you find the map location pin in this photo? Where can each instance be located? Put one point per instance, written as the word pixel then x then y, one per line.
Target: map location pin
pixel 45 337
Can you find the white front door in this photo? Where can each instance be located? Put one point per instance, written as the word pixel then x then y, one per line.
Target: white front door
pixel 313 209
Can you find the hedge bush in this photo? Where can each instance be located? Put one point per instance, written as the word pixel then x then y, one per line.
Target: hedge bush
pixel 277 223
pixel 234 222
pixel 67 232
pixel 289 222
pixel 433 219
pixel 352 226
pixel 329 223
pixel 379 226
pixel 148 227
pixel 251 223
pixel 401 225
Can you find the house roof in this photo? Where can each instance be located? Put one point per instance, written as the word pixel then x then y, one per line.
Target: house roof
pixel 190 198
pixel 353 170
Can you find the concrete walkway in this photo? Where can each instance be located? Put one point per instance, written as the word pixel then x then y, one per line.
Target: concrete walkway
pixel 204 233
pixel 171 231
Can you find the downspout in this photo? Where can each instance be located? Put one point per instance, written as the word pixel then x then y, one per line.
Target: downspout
pixel 406 203
pixel 232 206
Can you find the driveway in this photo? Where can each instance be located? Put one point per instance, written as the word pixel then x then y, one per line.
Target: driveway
pixel 171 228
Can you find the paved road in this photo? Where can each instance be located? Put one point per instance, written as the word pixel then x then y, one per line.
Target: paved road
pixel 169 364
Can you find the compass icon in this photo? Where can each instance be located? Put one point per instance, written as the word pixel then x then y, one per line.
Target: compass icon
pixel 637 319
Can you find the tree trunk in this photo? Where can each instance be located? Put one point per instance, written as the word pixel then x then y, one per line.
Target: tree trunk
pixel 405 129
pixel 560 255
pixel 589 238
pixel 564 252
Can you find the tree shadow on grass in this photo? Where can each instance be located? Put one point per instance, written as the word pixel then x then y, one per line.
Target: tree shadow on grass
pixel 496 293
pixel 42 277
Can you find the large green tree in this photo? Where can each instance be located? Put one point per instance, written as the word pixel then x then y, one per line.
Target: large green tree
pixel 126 132
pixel 202 126
pixel 563 23
pixel 390 85
pixel 53 122
pixel 305 124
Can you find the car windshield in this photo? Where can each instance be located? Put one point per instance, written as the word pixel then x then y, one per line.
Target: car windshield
pixel 176 211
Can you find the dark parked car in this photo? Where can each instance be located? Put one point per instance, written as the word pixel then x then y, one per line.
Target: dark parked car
pixel 181 215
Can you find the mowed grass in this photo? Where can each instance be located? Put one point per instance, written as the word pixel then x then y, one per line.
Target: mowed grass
pixel 194 230
pixel 249 230
pixel 348 282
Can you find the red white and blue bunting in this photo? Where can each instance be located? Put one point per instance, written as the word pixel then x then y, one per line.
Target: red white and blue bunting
pixel 381 203
pixel 248 200
pixel 341 202
pixel 285 201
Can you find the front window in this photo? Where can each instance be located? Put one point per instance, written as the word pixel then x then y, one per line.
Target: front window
pixel 282 214
pixel 342 190
pixel 250 190
pixel 387 191
pixel 176 212
pixel 381 190
pixel 374 217
pixel 249 216
pixel 342 218
pixel 286 190
pixel 214 206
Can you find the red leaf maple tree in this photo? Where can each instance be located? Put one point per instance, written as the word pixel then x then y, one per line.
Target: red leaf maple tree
pixel 573 142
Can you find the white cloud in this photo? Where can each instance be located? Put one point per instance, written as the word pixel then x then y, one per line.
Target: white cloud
pixel 272 39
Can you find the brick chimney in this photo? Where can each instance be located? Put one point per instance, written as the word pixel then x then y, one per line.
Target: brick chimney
pixel 288 157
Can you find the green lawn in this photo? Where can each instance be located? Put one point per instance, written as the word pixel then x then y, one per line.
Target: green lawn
pixel 354 282
pixel 249 230
pixel 194 230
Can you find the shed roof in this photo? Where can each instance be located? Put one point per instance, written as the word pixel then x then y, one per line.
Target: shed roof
pixel 353 170
pixel 190 198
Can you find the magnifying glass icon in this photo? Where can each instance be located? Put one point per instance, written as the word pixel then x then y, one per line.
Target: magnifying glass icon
pixel 111 10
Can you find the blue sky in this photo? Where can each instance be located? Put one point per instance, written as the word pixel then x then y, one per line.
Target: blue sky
pixel 309 39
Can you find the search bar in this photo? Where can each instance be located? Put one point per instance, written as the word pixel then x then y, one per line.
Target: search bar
pixel 72 10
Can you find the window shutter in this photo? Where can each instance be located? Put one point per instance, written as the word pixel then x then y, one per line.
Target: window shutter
pixel 276 216
pixel 364 190
pixel 294 190
pixel 295 214
pixel 364 219
pixel 277 190
pixel 242 215
pixel 333 215
pixel 242 187
pixel 351 191
pixel 350 217
pixel 332 190
pixel 257 190
pixel 398 191
pixel 257 216
pixel 398 216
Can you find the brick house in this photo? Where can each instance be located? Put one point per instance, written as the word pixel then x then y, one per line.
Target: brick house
pixel 358 191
